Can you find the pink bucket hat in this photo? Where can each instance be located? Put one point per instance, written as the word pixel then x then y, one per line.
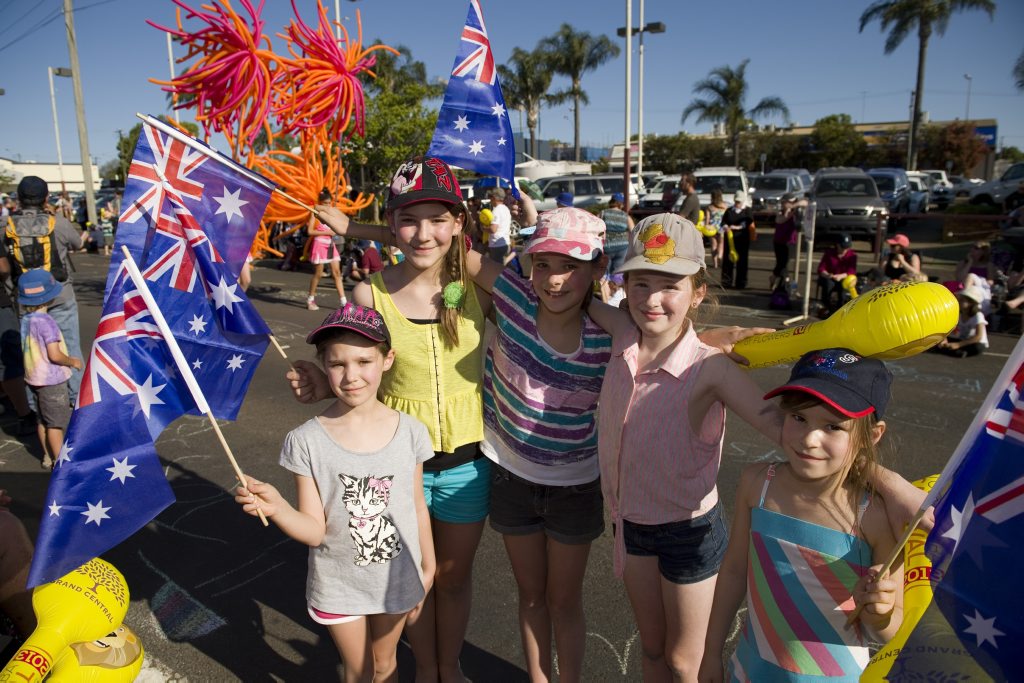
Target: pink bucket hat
pixel 572 232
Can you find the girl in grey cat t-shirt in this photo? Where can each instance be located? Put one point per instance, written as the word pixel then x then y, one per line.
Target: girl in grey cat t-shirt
pixel 358 470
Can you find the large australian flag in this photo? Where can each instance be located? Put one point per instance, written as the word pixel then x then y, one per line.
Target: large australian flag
pixel 188 220
pixel 974 628
pixel 473 130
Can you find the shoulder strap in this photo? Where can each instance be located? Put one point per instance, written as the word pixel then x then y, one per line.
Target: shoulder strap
pixel 865 501
pixel 767 480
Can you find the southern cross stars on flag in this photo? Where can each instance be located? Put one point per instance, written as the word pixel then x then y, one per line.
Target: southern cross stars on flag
pixel 188 221
pixel 473 130
pixel 976 549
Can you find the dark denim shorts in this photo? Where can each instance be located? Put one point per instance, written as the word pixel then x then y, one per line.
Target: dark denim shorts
pixel 573 515
pixel 688 551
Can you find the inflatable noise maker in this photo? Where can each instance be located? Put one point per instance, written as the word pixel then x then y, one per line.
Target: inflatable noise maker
pixel 84 605
pixel 894 321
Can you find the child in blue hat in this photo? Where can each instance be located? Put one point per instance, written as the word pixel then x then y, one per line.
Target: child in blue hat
pixel 47 364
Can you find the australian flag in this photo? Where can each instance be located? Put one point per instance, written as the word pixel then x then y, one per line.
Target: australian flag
pixel 188 220
pixel 473 130
pixel 974 626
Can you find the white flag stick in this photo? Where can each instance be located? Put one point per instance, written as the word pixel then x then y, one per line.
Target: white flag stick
pixel 179 361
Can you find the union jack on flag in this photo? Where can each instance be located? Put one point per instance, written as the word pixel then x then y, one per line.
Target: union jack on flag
pixel 473 130
pixel 973 547
pixel 190 222
pixel 479 63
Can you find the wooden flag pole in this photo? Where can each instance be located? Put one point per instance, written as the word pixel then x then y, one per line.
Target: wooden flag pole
pixel 181 363
pixel 280 349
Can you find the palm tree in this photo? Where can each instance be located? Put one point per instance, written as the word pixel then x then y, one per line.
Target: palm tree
pixel 571 54
pixel 726 91
pixel 525 82
pixel 900 17
pixel 1018 72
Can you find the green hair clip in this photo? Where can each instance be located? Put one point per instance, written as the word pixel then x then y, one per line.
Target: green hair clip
pixel 453 294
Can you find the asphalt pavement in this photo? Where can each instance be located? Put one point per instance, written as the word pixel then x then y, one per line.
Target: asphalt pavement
pixel 217 597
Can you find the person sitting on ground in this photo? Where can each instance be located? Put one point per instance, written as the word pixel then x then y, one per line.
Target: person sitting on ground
pixel 977 270
pixel 901 263
pixel 969 337
pixel 838 262
pixel 368 263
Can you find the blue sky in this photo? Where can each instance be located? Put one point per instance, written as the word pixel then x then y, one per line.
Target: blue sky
pixel 808 52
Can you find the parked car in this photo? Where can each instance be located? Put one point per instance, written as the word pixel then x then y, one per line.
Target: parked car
pixel 962 185
pixel 920 195
pixel 805 176
pixel 894 188
pixel 995 192
pixel 848 201
pixel 770 189
pixel 587 190
pixel 658 198
pixel 481 185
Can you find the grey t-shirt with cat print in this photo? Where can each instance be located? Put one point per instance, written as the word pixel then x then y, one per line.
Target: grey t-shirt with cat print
pixel 369 560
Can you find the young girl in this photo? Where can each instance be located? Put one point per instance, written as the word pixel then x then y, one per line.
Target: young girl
pixel 359 476
pixel 323 251
pixel 436 318
pixel 970 336
pixel 660 445
pixel 713 220
pixel 808 537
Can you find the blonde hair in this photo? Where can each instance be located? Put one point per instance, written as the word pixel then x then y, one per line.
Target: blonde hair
pixel 454 270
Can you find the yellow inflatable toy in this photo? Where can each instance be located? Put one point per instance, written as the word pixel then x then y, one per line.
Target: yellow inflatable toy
pixel 898 320
pixel 83 605
pixel 486 217
pixel 704 228
pixel 850 285
pixel 734 255
pixel 114 658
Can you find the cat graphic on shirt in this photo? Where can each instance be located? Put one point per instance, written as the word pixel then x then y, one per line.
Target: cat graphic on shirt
pixel 375 535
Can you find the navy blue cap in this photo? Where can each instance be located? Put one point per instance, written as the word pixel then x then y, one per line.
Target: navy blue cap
pixel 851 384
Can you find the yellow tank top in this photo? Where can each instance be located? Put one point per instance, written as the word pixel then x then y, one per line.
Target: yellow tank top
pixel 441 387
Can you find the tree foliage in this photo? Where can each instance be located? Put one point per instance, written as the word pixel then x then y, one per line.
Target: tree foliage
pixel 724 94
pixel 572 53
pixel 836 142
pixel 126 144
pixel 525 82
pixel 923 17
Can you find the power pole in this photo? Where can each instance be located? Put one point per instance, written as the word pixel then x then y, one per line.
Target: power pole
pixel 83 133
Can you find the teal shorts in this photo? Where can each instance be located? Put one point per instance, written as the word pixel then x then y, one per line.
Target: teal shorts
pixel 460 495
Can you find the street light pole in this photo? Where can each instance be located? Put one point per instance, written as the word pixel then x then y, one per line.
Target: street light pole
pixel 56 128
pixel 967 114
pixel 83 133
pixel 640 102
pixel 629 101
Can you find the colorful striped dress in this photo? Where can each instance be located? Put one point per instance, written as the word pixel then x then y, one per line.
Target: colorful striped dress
pixel 800 579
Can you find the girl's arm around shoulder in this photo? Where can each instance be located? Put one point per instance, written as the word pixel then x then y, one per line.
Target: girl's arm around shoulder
pixel 428 560
pixel 613 320
pixel 902 499
pixel 724 381
pixel 342 225
pixel 731 587
pixel 482 270
pixel 306 525
pixel 880 597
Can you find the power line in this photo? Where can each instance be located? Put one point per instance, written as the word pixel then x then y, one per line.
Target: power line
pixel 58 13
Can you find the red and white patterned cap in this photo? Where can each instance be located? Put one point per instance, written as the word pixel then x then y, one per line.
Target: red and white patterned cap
pixel 572 232
pixel 423 179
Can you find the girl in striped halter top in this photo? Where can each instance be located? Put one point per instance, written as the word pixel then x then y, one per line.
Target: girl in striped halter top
pixel 808 536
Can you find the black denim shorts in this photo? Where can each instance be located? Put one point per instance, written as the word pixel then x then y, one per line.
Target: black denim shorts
pixel 573 515
pixel 688 551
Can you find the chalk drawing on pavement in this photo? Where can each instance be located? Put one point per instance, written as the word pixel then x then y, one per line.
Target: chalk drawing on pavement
pixel 180 616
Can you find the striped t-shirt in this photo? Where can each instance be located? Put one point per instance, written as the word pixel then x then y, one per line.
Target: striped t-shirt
pixel 540 406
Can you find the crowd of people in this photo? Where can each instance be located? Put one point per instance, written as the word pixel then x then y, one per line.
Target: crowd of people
pixel 429 433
